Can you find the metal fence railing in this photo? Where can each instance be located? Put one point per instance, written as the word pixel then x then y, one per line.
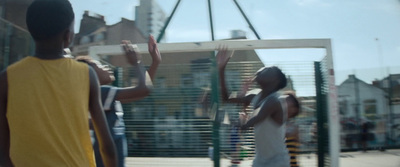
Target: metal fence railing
pixel 176 120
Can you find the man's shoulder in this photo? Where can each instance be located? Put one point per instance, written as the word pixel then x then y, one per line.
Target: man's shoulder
pixel 272 103
pixel 20 63
pixel 273 97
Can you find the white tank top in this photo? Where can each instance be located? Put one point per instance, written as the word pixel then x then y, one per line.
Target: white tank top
pixel 270 138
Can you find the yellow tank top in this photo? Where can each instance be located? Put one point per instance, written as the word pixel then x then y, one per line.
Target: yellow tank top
pixel 47 112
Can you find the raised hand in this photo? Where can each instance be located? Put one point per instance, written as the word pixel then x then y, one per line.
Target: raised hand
pixel 223 57
pixel 153 50
pixel 131 53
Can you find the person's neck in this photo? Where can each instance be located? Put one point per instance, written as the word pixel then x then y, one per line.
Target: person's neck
pixel 265 93
pixel 49 51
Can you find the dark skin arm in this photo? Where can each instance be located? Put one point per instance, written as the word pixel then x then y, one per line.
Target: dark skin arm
pixel 5 160
pixel 106 144
pixel 222 59
pixel 143 89
pixel 155 55
pixel 268 109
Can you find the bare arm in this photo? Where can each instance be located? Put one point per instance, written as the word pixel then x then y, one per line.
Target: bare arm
pixel 155 55
pixel 106 144
pixel 222 59
pixel 145 84
pixel 4 129
pixel 266 110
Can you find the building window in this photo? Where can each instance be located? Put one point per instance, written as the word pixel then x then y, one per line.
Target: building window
pixel 186 81
pixel 343 107
pixel 162 111
pixel 1 12
pixel 99 37
pixel 85 40
pixel 202 79
pixel 233 80
pixel 370 109
pixel 160 83
pixel 187 111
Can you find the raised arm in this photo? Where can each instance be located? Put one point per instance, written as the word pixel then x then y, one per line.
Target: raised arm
pixel 143 89
pixel 4 129
pixel 106 144
pixel 155 55
pixel 222 60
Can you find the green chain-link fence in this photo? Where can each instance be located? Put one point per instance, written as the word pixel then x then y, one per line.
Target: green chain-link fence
pixel 177 119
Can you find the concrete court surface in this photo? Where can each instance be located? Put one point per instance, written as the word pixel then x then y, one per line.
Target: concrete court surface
pixel 388 158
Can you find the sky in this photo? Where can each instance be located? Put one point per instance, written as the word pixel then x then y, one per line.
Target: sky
pixel 365 33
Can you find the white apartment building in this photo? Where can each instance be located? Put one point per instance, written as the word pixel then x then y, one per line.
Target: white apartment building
pixel 150 18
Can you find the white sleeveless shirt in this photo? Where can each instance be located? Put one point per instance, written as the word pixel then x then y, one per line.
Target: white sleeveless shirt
pixel 270 147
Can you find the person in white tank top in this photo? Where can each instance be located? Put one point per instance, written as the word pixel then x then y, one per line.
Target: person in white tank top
pixel 269 116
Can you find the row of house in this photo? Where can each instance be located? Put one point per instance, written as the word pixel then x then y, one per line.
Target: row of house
pixel 375 104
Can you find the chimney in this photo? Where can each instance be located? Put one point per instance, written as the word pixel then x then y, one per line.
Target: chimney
pixel 238 34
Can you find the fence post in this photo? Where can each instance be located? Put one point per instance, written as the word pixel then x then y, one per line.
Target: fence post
pixel 321 114
pixel 215 106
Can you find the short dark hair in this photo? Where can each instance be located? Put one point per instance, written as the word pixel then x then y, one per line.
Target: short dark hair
pixel 282 77
pixel 47 18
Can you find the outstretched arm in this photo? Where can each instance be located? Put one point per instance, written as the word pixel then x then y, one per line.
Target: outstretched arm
pixel 106 144
pixel 155 55
pixel 129 94
pixel 222 60
pixel 4 129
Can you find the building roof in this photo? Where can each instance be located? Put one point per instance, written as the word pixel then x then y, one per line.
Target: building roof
pixel 352 78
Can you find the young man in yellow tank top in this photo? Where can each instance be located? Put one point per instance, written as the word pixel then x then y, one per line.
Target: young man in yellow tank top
pixel 45 99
